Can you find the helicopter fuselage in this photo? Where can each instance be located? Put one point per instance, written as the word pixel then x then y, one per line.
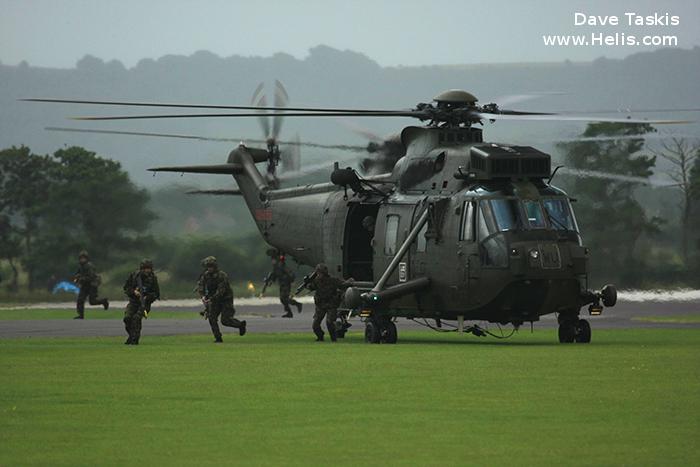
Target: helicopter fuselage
pixel 448 235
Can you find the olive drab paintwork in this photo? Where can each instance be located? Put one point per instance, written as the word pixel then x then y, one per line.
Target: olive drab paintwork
pixel 463 229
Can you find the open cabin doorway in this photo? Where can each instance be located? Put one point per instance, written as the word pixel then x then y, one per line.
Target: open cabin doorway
pixel 358 253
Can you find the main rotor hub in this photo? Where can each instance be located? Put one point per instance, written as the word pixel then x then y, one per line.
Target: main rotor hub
pixel 455 98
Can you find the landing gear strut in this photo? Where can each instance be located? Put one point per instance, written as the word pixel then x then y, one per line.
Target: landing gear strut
pixel 574 330
pixel 381 330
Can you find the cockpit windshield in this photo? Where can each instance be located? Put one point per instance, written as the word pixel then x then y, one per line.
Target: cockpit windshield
pixel 559 213
pixel 509 214
pixel 506 213
pixel 535 215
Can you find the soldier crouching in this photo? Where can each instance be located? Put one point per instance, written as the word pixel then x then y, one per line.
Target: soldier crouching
pixel 141 287
pixel 216 294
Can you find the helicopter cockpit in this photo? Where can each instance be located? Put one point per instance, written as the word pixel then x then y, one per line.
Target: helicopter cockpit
pixel 497 224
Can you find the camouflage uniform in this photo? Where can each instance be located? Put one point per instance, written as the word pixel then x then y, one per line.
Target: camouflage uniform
pixel 284 278
pixel 87 279
pixel 135 312
pixel 327 299
pixel 213 285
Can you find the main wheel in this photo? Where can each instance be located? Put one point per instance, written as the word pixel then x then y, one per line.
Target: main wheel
pixel 609 295
pixel 372 334
pixel 389 333
pixel 583 331
pixel 567 332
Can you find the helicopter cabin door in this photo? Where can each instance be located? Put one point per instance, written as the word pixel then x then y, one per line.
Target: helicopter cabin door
pixel 360 225
pixel 394 222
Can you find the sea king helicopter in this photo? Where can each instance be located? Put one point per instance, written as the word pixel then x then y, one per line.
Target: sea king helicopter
pixel 459 230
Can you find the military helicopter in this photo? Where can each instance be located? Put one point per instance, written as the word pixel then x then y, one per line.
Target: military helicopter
pixel 459 230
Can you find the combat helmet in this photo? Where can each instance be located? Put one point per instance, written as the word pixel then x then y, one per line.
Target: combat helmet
pixel 322 269
pixel 209 261
pixel 83 253
pixel 146 264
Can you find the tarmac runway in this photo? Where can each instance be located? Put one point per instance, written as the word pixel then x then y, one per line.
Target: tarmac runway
pixel 265 316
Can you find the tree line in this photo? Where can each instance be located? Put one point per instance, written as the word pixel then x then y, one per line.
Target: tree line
pixel 52 206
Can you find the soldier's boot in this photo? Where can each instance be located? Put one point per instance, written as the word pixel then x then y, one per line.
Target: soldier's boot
pixel 298 305
pixel 243 328
pixel 80 309
pixel 319 335
pixel 288 314
pixel 218 339
pixel 105 304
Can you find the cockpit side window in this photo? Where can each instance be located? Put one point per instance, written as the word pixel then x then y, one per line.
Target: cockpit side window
pixel 391 234
pixel 466 231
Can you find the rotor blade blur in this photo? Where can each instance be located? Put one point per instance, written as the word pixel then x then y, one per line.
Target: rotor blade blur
pixel 263 118
pixel 584 139
pixel 510 99
pixel 281 98
pixel 571 118
pixel 397 113
pixel 341 147
pixel 613 176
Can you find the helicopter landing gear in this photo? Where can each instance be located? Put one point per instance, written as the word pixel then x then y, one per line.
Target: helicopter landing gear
pixel 583 332
pixel 372 334
pixel 380 331
pixel 574 330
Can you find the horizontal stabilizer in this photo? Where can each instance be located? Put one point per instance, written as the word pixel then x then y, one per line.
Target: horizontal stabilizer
pixel 234 192
pixel 224 169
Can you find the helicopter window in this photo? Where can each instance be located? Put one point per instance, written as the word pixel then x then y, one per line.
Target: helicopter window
pixel 507 213
pixel 535 215
pixel 485 229
pixel 391 235
pixel 421 241
pixel 467 227
pixel 560 214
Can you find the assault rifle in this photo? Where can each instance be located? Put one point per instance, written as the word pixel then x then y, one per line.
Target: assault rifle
pixel 305 283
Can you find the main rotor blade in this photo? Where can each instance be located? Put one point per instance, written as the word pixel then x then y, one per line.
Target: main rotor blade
pixel 222 192
pixel 626 111
pixel 557 117
pixel 342 147
pixel 198 106
pixel 396 113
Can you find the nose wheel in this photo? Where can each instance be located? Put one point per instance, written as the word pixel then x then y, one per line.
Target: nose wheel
pixel 380 331
pixel 578 330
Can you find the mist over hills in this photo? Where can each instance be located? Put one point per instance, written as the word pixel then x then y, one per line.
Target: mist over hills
pixel 327 77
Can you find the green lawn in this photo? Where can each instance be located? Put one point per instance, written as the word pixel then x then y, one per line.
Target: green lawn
pixel 94 313
pixel 675 319
pixel 631 397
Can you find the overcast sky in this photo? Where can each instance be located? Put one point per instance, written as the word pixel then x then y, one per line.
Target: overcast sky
pixel 57 33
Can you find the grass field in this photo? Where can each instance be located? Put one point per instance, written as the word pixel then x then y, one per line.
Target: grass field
pixel 631 397
pixel 94 313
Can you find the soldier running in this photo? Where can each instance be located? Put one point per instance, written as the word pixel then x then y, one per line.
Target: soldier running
pixel 141 287
pixel 87 279
pixel 327 290
pixel 216 294
pixel 284 277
